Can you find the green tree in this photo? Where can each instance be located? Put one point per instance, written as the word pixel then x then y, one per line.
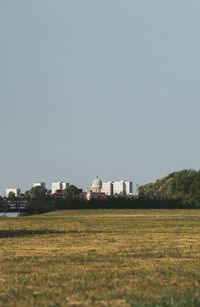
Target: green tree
pixel 11 195
pixel 70 192
pixel 38 192
pixel 27 194
pixel 184 184
pixel 48 193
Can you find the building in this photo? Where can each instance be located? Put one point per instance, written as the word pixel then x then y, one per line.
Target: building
pixel 110 188
pixel 119 187
pixel 99 189
pixel 58 186
pixel 107 188
pixel 96 185
pixel 17 192
pixel 96 190
pixel 129 187
pixel 88 194
pixel 122 187
pixel 39 184
pixel 101 196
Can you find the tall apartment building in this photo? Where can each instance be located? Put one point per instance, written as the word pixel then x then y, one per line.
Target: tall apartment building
pixel 39 184
pixel 107 188
pixel 119 187
pixel 129 187
pixel 16 191
pixel 122 187
pixel 58 186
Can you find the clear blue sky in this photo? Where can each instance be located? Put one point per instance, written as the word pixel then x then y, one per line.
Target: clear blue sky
pixel 98 87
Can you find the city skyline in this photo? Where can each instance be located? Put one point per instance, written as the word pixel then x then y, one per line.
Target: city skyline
pixel 61 185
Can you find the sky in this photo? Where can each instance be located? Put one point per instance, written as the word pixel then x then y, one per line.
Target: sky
pixel 108 88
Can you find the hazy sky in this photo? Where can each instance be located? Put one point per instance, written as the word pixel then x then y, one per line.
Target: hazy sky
pixel 98 87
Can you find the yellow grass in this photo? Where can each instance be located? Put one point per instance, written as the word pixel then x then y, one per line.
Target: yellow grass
pixel 99 257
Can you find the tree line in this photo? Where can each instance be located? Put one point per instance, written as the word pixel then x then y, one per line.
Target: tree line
pixel 182 186
pixel 42 193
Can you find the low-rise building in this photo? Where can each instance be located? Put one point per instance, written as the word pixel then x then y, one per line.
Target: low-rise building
pixel 16 191
pixel 96 185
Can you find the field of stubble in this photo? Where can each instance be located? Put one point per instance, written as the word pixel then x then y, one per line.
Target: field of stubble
pixel 101 258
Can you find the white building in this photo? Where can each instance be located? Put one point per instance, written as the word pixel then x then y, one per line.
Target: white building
pixel 110 188
pixel 107 188
pixel 17 192
pixel 96 185
pixel 39 184
pixel 123 187
pixel 58 186
pixel 129 187
pixel 119 187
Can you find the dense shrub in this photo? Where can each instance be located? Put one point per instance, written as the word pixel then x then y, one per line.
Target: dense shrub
pixel 117 203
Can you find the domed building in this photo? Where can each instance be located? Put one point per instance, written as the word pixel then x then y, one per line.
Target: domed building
pixel 96 190
pixel 96 185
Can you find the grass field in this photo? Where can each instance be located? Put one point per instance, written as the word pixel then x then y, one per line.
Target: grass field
pixel 101 258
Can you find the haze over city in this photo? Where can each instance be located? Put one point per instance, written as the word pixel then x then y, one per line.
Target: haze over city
pixel 107 88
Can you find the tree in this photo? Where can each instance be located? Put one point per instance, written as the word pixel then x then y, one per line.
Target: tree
pixel 48 193
pixel 38 192
pixel 11 195
pixel 70 192
pixel 27 194
pixel 183 184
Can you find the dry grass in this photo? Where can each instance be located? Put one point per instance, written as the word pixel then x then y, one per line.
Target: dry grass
pixel 100 258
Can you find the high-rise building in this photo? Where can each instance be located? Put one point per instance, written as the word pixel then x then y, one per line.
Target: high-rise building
pixel 110 188
pixel 64 185
pixel 58 186
pixel 119 187
pixel 39 184
pixel 129 187
pixel 107 188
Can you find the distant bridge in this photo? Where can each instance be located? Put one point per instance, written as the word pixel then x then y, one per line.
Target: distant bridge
pixel 20 205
